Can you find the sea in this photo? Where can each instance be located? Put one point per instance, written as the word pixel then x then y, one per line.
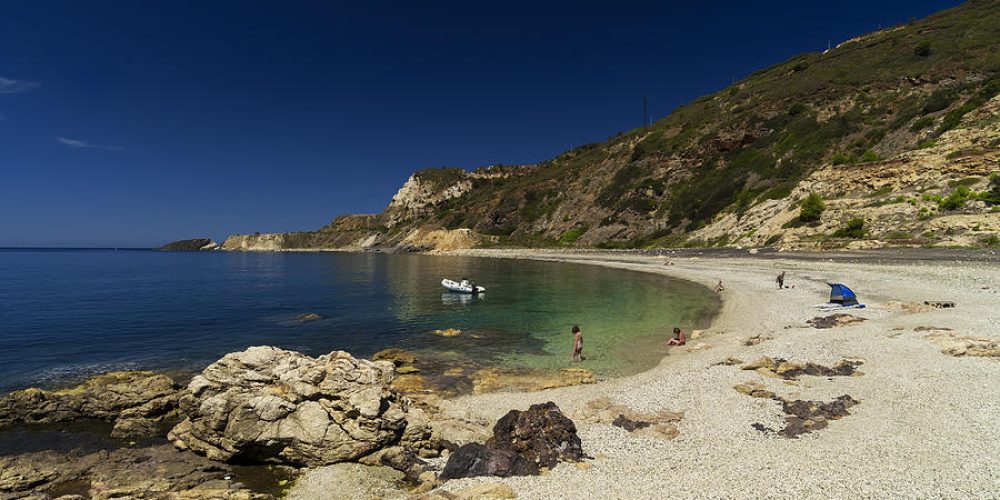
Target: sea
pixel 66 314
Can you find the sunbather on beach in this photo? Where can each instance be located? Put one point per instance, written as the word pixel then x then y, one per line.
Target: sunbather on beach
pixel 678 338
pixel 719 288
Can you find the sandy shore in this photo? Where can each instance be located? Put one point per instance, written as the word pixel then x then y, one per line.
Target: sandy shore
pixel 928 425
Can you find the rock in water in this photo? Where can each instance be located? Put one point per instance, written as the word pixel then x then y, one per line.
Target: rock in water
pixel 542 434
pixel 474 459
pixel 137 401
pixel 268 405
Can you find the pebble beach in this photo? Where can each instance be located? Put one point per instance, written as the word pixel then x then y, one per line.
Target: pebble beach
pixel 926 426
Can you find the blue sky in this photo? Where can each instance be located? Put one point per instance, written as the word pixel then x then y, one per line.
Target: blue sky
pixel 132 123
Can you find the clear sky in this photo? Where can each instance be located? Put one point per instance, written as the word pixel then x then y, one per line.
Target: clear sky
pixel 132 123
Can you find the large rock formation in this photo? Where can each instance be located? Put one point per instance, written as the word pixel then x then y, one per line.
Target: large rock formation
pixel 137 401
pixel 275 406
pixel 192 245
pixel 523 442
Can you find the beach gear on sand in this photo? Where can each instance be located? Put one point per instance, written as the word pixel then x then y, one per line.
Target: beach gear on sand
pixel 841 297
pixel 462 287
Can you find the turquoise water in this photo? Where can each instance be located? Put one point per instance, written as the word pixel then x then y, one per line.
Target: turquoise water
pixel 69 314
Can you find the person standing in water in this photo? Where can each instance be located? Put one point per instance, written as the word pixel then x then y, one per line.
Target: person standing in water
pixel 678 337
pixel 577 344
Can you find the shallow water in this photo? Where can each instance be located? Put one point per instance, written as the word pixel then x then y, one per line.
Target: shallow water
pixel 65 315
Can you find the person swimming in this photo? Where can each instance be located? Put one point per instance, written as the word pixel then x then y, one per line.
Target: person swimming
pixel 678 338
pixel 577 343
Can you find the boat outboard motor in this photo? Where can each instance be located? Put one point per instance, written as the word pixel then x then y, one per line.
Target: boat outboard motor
pixel 475 289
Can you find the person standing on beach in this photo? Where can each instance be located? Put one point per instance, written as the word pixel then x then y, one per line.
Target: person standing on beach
pixel 577 344
pixel 781 280
pixel 678 337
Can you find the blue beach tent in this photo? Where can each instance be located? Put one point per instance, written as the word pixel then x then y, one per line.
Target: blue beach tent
pixel 840 294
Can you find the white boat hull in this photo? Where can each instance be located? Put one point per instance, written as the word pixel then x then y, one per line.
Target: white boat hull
pixel 455 286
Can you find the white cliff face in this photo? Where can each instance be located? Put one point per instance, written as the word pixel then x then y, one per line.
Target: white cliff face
pixel 418 195
pixel 265 242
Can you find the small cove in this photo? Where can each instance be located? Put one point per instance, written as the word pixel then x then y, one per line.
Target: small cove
pixel 71 314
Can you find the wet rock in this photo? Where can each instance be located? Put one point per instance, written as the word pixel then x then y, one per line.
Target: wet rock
pixel 474 459
pixel 309 317
pixel 953 344
pixel 541 434
pixel 138 473
pixel 137 401
pixel 268 405
pixel 396 356
pixel 834 320
pixel 496 379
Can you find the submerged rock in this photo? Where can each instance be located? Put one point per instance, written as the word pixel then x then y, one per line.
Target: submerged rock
pixel 306 317
pixel 268 405
pixel 138 402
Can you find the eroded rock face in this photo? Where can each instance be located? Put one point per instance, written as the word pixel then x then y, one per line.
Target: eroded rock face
pixel 542 434
pixel 268 405
pixel 137 401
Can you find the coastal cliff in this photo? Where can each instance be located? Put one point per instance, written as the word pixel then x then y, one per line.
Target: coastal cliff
pixel 892 136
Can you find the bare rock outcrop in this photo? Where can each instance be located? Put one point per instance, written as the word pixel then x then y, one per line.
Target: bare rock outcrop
pixel 268 405
pixel 523 443
pixel 136 401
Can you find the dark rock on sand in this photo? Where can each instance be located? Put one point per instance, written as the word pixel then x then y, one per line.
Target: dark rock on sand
pixel 474 459
pixel 629 424
pixel 834 320
pixel 807 416
pixel 790 370
pixel 191 245
pixel 542 434
pixel 138 402
pixel 268 405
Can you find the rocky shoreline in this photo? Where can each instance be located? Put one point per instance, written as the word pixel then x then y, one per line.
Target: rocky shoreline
pixel 702 424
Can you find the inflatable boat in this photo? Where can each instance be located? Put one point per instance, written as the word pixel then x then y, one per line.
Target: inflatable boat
pixel 462 287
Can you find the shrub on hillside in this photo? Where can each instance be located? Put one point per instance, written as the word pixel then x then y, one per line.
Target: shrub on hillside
pixel 811 208
pixel 855 228
pixel 923 49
